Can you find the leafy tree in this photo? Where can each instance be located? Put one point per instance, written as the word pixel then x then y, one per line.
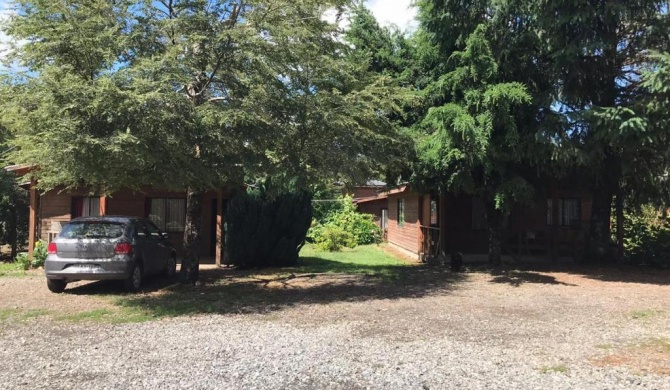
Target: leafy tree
pixel 391 53
pixel 486 130
pixel 13 213
pixel 473 142
pixel 13 207
pixel 582 62
pixel 598 51
pixel 191 94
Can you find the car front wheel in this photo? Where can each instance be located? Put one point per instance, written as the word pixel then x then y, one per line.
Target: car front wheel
pixel 134 280
pixel 56 285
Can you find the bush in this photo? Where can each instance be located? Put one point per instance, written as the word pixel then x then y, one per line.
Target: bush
pixel 39 254
pixel 332 238
pixel 267 231
pixel 647 238
pixel 344 227
pixel 39 257
pixel 22 261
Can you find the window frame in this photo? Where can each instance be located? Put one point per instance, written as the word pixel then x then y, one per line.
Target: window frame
pixel 434 218
pixel 74 212
pixel 401 212
pixel 166 216
pixel 563 219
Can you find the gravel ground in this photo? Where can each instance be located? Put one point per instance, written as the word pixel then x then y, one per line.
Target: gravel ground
pixel 509 331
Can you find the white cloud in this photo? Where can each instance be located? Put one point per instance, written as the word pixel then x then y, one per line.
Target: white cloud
pixel 400 13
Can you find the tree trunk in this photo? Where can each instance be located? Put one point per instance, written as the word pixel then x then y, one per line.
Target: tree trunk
pixel 598 240
pixel 191 262
pixel 619 222
pixel 494 222
pixel 12 233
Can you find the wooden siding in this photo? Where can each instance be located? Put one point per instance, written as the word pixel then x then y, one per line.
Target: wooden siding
pixel 408 235
pixel 56 205
pixel 374 207
pixel 458 233
pixel 364 192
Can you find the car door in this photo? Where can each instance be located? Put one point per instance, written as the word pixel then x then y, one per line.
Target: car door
pixel 159 247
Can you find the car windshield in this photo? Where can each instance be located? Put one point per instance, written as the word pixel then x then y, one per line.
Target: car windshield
pixel 92 229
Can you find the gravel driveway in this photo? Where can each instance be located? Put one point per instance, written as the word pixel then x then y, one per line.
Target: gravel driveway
pixel 504 331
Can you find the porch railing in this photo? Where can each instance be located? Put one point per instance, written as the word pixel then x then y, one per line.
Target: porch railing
pixel 430 245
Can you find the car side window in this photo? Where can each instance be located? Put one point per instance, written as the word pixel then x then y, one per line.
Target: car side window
pixel 140 229
pixel 152 229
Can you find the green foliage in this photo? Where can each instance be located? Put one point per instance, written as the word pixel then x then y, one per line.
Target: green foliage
pixel 364 259
pixel 264 230
pixel 39 254
pixel 13 211
pixel 332 238
pixel 23 261
pixel 647 237
pixel 600 53
pixel 133 92
pixel 344 226
pixel 473 142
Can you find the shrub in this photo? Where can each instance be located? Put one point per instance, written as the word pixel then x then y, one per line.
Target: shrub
pixel 267 231
pixel 344 227
pixel 332 238
pixel 647 238
pixel 22 261
pixel 39 254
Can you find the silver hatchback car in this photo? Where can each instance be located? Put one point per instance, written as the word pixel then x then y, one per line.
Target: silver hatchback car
pixel 109 247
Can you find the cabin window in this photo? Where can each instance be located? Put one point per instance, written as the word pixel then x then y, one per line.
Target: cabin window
pixel 401 212
pixel 169 214
pixel 478 213
pixel 433 212
pixel 569 211
pixel 85 206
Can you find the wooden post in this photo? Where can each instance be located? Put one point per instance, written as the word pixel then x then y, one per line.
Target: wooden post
pixel 619 222
pixel 103 205
pixel 219 230
pixel 554 221
pixel 420 220
pixel 32 219
pixel 442 222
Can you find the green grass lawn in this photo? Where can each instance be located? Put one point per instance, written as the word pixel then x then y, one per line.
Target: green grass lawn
pixel 364 259
pixel 11 269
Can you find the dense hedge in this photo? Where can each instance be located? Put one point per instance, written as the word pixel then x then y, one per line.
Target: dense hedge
pixel 263 231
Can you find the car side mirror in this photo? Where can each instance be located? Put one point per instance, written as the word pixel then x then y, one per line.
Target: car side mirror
pixel 165 236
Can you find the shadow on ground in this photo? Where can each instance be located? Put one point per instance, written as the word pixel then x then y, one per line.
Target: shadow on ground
pixel 517 278
pixel 535 270
pixel 315 281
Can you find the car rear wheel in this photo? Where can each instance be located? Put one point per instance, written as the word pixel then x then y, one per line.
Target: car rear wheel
pixel 134 281
pixel 56 285
pixel 171 268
